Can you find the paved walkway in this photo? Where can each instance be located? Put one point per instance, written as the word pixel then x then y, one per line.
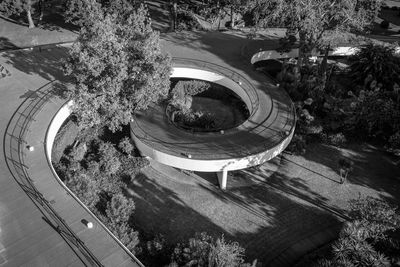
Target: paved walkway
pixel 40 223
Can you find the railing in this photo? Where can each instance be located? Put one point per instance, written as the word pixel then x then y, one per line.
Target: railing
pixel 174 147
pixel 14 141
pixel 247 86
pixel 133 258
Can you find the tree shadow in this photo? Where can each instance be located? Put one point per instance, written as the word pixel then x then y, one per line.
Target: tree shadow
pixel 46 63
pixel 373 167
pixel 6 44
pixel 274 227
pixel 160 210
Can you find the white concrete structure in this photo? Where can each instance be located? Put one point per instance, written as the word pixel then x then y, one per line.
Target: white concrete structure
pixel 273 54
pixel 176 156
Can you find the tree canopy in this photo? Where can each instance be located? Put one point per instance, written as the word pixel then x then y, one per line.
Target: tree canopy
pixel 320 24
pixel 16 7
pixel 117 67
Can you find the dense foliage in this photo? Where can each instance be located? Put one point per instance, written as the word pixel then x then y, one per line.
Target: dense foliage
pixel 367 240
pixel 375 62
pixel 360 102
pixel 98 173
pixel 203 250
pixel 182 93
pixel 17 7
pixel 117 67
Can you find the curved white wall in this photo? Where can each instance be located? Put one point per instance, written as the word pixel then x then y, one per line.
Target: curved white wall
pixel 192 73
pixel 205 165
pixel 55 125
pixel 63 113
pixel 211 165
pixel 338 51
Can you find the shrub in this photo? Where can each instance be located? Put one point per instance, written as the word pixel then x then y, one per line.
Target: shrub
pixel 132 165
pixel 180 95
pixel 376 115
pixel 85 188
pixel 78 152
pixel 109 161
pixel 365 240
pixel 126 145
pixel 384 24
pixel 376 61
pixel 337 139
pixel 298 144
pixel 203 250
pixel 119 210
pixel 376 216
pixel 394 141
pixel 186 22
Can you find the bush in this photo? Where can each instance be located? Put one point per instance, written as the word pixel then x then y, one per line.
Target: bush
pixel 133 165
pixel 375 115
pixel 126 145
pixel 365 241
pixel 203 250
pixel 298 144
pixel 119 210
pixel 109 161
pixel 186 22
pixel 394 141
pixel 180 95
pixel 85 188
pixel 337 139
pixel 379 63
pixel 384 24
pixel 78 152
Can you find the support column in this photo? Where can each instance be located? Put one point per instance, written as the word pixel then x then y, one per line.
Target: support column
pixel 222 179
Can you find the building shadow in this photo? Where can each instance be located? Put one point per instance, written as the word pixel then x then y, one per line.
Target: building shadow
pixel 275 227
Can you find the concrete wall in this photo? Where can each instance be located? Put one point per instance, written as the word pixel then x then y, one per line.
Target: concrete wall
pixel 184 162
pixel 55 125
pixel 338 51
pixel 272 54
pixel 192 73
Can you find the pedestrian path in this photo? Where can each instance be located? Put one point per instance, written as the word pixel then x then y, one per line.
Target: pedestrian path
pixel 40 223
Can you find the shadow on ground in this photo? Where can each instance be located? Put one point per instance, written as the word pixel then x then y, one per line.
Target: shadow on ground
pixel 45 63
pixel 275 228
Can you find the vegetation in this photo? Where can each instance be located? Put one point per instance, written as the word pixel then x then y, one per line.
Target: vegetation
pixel 376 63
pixel 360 102
pixel 117 67
pixel 203 250
pixel 368 239
pixel 200 250
pixel 181 96
pixel 99 172
pixel 17 7
pixel 320 24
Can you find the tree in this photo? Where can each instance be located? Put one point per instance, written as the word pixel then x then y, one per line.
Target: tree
pixel 118 68
pixel 16 7
pixel 119 210
pixel 82 12
pixel 85 188
pixel 320 24
pixel 379 62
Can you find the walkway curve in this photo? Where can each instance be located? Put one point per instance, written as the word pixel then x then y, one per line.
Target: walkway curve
pixel 73 243
pixel 264 135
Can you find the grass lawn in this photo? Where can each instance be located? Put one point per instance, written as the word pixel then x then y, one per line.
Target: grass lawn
pixel 279 211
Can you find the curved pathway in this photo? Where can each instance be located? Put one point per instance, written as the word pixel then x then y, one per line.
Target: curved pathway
pixel 40 224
